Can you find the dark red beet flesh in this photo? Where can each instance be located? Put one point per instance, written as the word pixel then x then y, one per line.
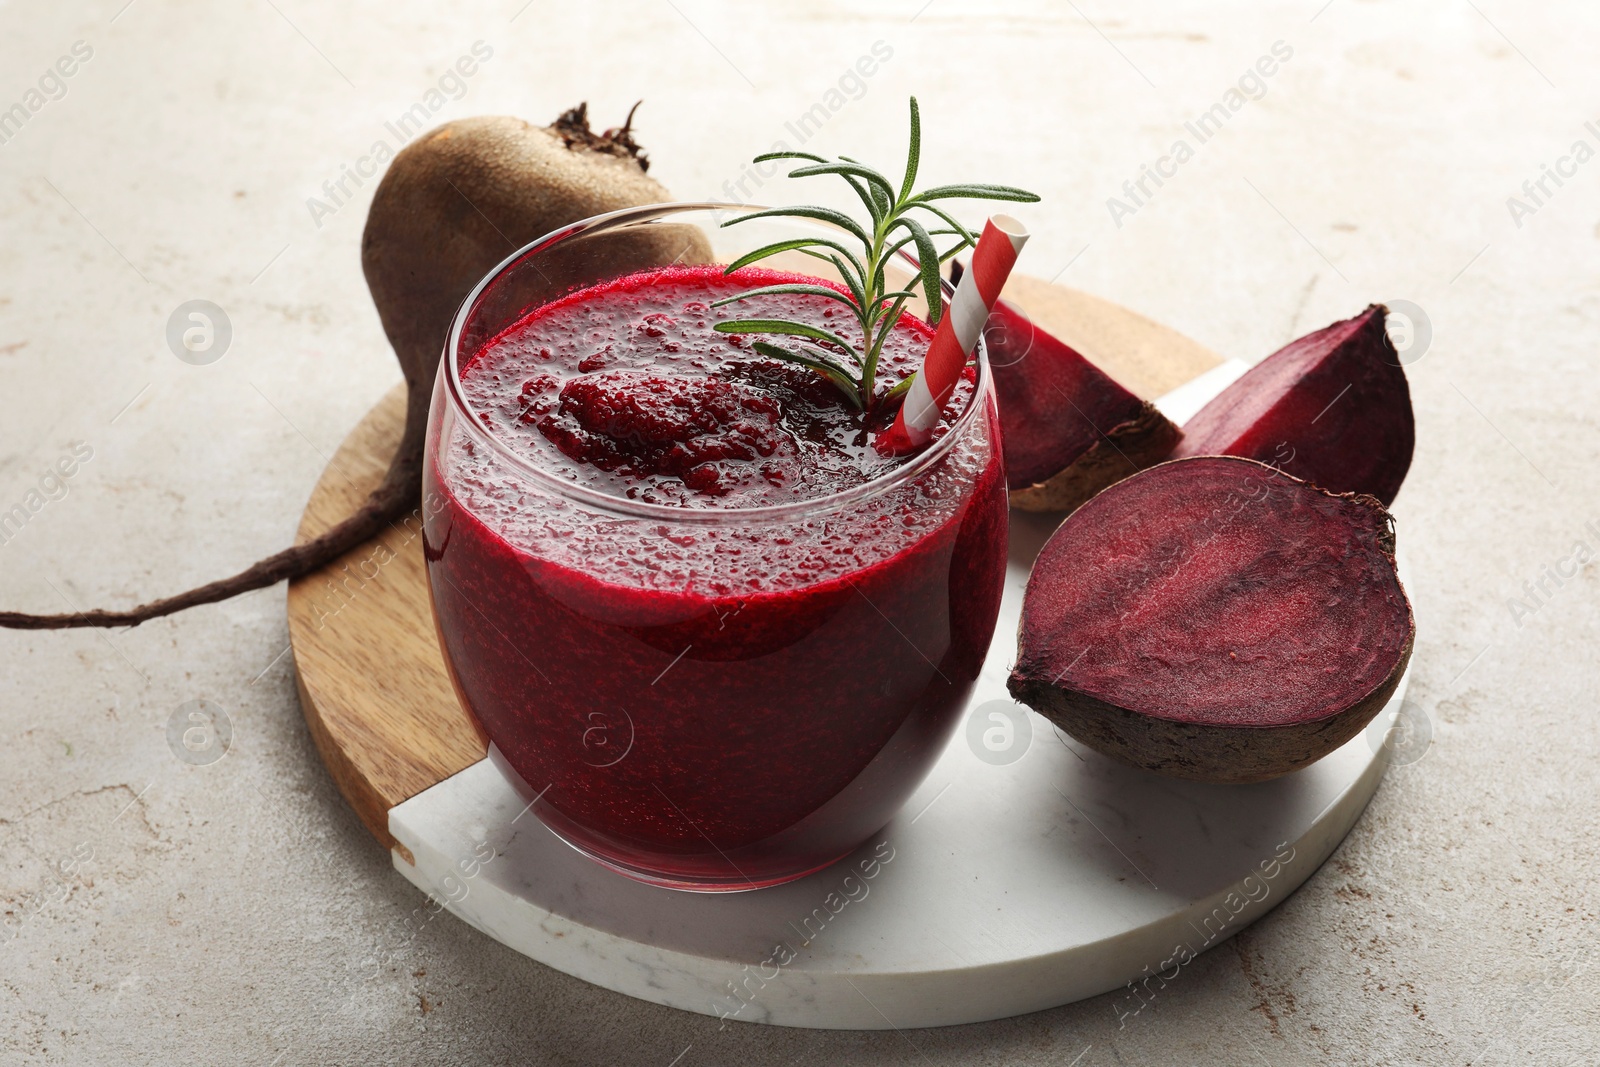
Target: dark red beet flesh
pixel 1215 619
pixel 1332 408
pixel 1067 429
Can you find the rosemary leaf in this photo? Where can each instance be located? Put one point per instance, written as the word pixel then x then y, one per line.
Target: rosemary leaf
pixel 927 263
pixel 797 245
pixel 787 329
pixel 835 374
pixel 913 151
pixel 851 169
pixel 797 289
pixel 821 214
pixel 977 192
pixel 877 310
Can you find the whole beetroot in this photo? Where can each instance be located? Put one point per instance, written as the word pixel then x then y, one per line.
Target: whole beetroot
pixel 454 203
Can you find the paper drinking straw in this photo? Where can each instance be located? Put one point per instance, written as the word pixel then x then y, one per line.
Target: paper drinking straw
pixel 957 334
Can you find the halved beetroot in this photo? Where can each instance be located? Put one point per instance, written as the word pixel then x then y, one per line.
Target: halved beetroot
pixel 1066 428
pixel 1332 408
pixel 1215 619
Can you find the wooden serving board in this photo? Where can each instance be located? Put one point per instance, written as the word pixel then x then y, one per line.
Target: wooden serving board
pixel 1011 881
pixel 371 679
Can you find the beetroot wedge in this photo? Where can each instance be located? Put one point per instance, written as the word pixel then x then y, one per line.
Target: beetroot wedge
pixel 1067 429
pixel 1332 408
pixel 1215 619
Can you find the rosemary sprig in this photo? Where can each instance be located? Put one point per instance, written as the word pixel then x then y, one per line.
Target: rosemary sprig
pixel 891 226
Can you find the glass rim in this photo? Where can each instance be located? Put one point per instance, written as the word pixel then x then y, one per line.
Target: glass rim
pixel 603 501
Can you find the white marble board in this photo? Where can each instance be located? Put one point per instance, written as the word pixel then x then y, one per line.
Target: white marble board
pixel 1032 875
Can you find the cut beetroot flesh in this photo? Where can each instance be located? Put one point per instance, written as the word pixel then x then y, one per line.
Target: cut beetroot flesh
pixel 1215 619
pixel 1067 429
pixel 1332 408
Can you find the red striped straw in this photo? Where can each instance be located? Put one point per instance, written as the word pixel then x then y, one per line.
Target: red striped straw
pixel 957 335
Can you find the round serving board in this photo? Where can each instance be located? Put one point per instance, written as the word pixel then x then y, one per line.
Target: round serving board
pixel 1027 872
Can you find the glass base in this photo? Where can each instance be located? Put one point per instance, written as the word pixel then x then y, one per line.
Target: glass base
pixel 655 878
pixel 736 883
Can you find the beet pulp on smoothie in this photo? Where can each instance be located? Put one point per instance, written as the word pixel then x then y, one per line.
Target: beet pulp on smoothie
pixel 727 698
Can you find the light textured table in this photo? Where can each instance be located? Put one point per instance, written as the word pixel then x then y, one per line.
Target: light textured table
pixel 159 910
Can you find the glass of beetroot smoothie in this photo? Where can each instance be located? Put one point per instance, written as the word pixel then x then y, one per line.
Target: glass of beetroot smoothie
pixel 711 631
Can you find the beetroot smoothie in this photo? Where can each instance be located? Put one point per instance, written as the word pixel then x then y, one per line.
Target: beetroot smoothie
pixel 716 633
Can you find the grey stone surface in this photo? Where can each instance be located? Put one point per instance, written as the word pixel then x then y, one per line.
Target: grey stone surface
pixel 160 909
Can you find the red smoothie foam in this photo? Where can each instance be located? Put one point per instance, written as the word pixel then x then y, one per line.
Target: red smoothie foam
pixel 733 700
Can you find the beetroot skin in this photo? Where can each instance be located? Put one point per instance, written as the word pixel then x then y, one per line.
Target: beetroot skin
pixel 1215 619
pixel 1332 408
pixel 1067 429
